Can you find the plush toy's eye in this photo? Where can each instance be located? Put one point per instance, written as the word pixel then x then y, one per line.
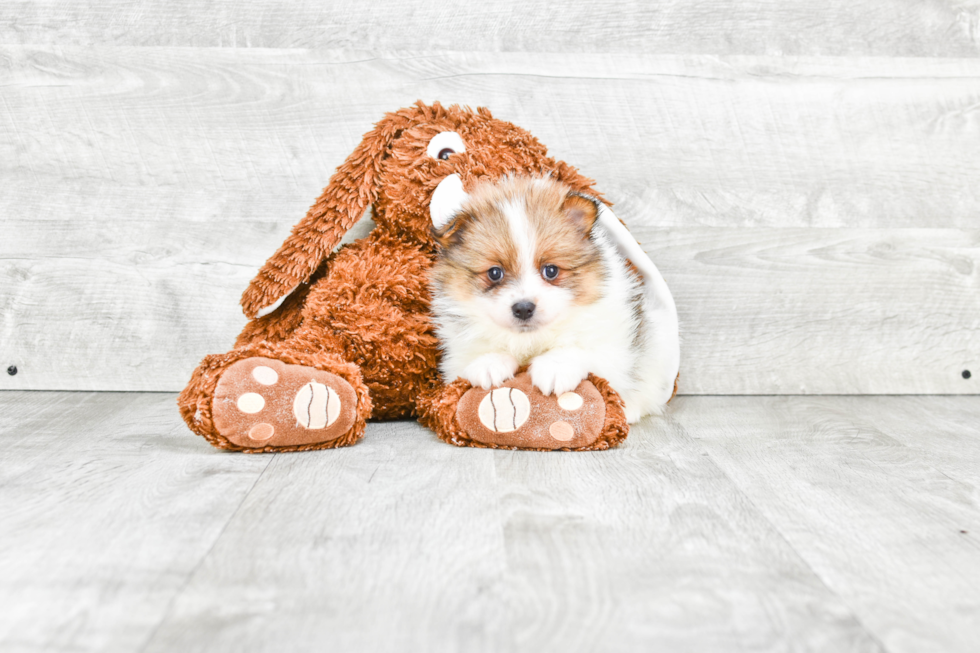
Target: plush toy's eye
pixel 495 273
pixel 445 144
pixel 550 272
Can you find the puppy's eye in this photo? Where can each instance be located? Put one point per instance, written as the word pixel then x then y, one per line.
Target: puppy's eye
pixel 445 152
pixel 550 272
pixel 495 273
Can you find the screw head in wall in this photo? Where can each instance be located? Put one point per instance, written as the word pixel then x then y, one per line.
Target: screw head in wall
pixel 12 370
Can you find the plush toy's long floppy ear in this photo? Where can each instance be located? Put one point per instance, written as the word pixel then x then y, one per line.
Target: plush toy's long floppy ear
pixel 352 188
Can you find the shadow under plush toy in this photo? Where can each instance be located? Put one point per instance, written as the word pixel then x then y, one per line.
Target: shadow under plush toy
pixel 338 337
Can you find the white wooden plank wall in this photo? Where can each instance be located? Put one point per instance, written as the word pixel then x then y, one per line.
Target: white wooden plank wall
pixel 945 28
pixel 807 177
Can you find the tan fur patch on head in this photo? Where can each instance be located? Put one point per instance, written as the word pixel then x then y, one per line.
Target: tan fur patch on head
pixel 475 241
pixel 563 221
pixel 481 237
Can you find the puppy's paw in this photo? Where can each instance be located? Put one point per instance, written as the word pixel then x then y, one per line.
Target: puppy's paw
pixel 491 370
pixel 559 371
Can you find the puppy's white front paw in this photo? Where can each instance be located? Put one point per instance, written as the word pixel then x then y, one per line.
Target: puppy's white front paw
pixel 490 370
pixel 558 371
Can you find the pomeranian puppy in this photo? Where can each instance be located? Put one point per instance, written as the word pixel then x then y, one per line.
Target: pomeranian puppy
pixel 531 273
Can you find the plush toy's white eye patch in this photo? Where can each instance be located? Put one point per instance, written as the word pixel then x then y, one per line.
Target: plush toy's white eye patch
pixel 447 199
pixel 445 144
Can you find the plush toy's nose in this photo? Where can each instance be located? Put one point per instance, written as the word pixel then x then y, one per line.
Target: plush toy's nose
pixel 523 310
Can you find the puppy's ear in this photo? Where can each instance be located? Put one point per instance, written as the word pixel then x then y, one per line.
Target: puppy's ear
pixel 581 210
pixel 451 233
pixel 352 188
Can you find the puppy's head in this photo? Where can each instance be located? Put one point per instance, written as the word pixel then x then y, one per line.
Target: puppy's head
pixel 520 253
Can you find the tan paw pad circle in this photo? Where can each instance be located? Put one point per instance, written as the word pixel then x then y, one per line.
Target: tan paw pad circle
pixel 261 431
pixel 265 375
pixel 562 431
pixel 316 406
pixel 251 402
pixel 504 410
pixel 570 401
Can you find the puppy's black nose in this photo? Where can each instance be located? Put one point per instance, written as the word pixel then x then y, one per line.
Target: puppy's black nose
pixel 523 310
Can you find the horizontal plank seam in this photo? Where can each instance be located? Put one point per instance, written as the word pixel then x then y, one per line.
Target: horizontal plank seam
pixel 703 59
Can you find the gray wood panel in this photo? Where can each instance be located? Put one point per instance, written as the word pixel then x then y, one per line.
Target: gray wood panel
pixel 780 27
pixel 763 311
pixel 823 311
pixel 176 133
pixel 882 523
pixel 388 545
pixel 952 428
pixel 405 543
pixel 106 507
pixel 144 186
pixel 643 562
pixel 736 523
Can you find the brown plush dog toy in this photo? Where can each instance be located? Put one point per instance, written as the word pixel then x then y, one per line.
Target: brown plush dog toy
pixel 338 337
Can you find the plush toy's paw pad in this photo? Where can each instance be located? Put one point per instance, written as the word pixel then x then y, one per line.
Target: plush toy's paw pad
pixel 262 402
pixel 517 415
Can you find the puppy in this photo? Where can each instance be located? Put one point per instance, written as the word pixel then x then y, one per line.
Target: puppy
pixel 530 272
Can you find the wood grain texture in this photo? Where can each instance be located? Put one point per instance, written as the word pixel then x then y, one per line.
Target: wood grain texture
pixel 823 311
pixel 174 133
pixel 405 543
pixel 388 545
pixel 106 507
pixel 144 186
pixel 762 311
pixel 776 27
pixel 877 517
pixel 735 523
pixel 643 562
pixel 951 426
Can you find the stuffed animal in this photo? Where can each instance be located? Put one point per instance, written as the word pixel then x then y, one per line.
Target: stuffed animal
pixel 338 337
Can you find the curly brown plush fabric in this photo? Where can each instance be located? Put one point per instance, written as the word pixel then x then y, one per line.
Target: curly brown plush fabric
pixel 362 312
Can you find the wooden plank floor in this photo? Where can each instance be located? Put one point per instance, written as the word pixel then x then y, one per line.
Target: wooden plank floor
pixel 736 523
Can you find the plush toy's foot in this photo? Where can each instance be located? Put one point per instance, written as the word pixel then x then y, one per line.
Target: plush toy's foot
pixel 263 404
pixel 517 416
